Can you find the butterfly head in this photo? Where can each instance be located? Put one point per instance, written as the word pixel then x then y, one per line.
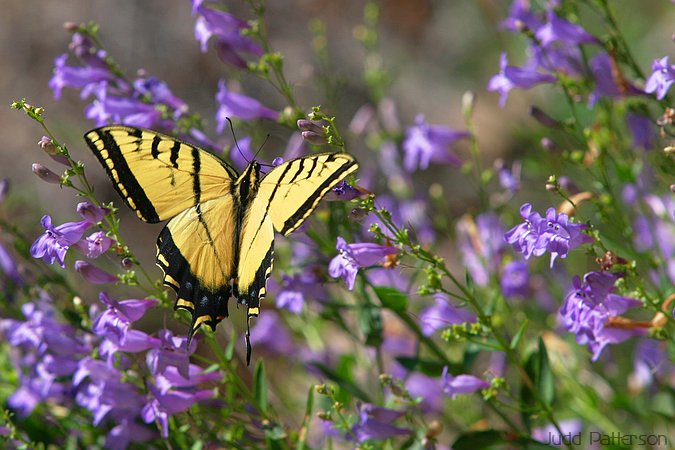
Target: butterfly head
pixel 247 183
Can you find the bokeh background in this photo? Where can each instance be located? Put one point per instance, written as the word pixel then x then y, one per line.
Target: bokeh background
pixel 435 51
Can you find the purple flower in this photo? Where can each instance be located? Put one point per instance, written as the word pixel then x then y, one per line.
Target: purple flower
pixel 114 321
pixel 426 388
pixel 521 17
pixel 509 179
pixel 510 77
pixel 375 422
pixel 271 336
pixel 126 432
pixel 426 143
pixel 557 58
pixel 558 236
pixel 231 104
pixel 102 391
pixel 609 81
pixel 481 244
pixel 650 363
pixel 54 243
pixel 295 288
pixel 162 405
pixel 442 315
pixel 515 280
pixel 461 384
pixel 642 129
pixel 8 266
pixel 93 274
pixel 345 192
pixel 154 90
pixel 49 353
pixel 173 351
pixel 538 235
pixel 563 31
pixel 227 30
pixel 524 237
pixel 92 213
pixel 589 311
pixel 89 79
pixel 129 111
pixel 95 244
pixel 171 378
pixel 663 75
pixel 352 257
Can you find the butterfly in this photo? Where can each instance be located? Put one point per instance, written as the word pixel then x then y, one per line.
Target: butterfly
pixel 219 239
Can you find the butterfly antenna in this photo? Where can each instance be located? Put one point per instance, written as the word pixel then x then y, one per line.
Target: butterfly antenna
pixel 234 136
pixel 260 148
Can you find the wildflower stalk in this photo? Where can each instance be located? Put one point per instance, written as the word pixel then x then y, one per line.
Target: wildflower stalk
pixel 272 59
pixel 111 224
pixel 438 264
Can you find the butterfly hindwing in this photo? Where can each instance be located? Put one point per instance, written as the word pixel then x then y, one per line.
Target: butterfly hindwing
pixel 158 176
pixel 196 251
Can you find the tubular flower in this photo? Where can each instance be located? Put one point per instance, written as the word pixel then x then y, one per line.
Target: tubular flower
pixel 353 257
pixel 590 312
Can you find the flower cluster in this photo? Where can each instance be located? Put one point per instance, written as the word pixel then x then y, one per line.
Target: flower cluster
pixel 554 234
pixel 591 312
pixel 57 364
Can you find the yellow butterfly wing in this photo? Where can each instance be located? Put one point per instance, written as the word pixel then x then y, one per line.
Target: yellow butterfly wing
pixel 157 175
pixel 161 178
pixel 285 197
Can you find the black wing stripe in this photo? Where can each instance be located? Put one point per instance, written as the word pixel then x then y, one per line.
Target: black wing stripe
pixel 274 192
pixel 196 166
pixel 313 199
pixel 155 146
pixel 127 180
pixel 174 154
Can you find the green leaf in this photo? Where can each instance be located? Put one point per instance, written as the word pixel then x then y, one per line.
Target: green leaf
pixel 260 387
pixel 370 322
pixel 306 421
pixel 477 440
pixel 538 369
pixel 519 335
pixel 544 381
pixel 392 298
pixel 229 349
pixel 432 368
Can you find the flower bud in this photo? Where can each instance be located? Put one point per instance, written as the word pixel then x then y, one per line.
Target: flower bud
pixel 468 103
pixel 127 263
pixel 314 138
pixel 90 212
pixel 314 131
pixel 549 144
pixel 435 428
pixel 71 26
pixel 4 189
pixel 277 161
pixel 543 118
pixel 47 145
pixel 93 274
pixel 45 174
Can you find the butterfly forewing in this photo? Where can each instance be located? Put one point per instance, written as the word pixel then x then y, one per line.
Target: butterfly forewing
pixel 291 191
pixel 158 176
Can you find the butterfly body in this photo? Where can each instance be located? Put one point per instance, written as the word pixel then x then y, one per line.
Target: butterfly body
pixel 219 238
